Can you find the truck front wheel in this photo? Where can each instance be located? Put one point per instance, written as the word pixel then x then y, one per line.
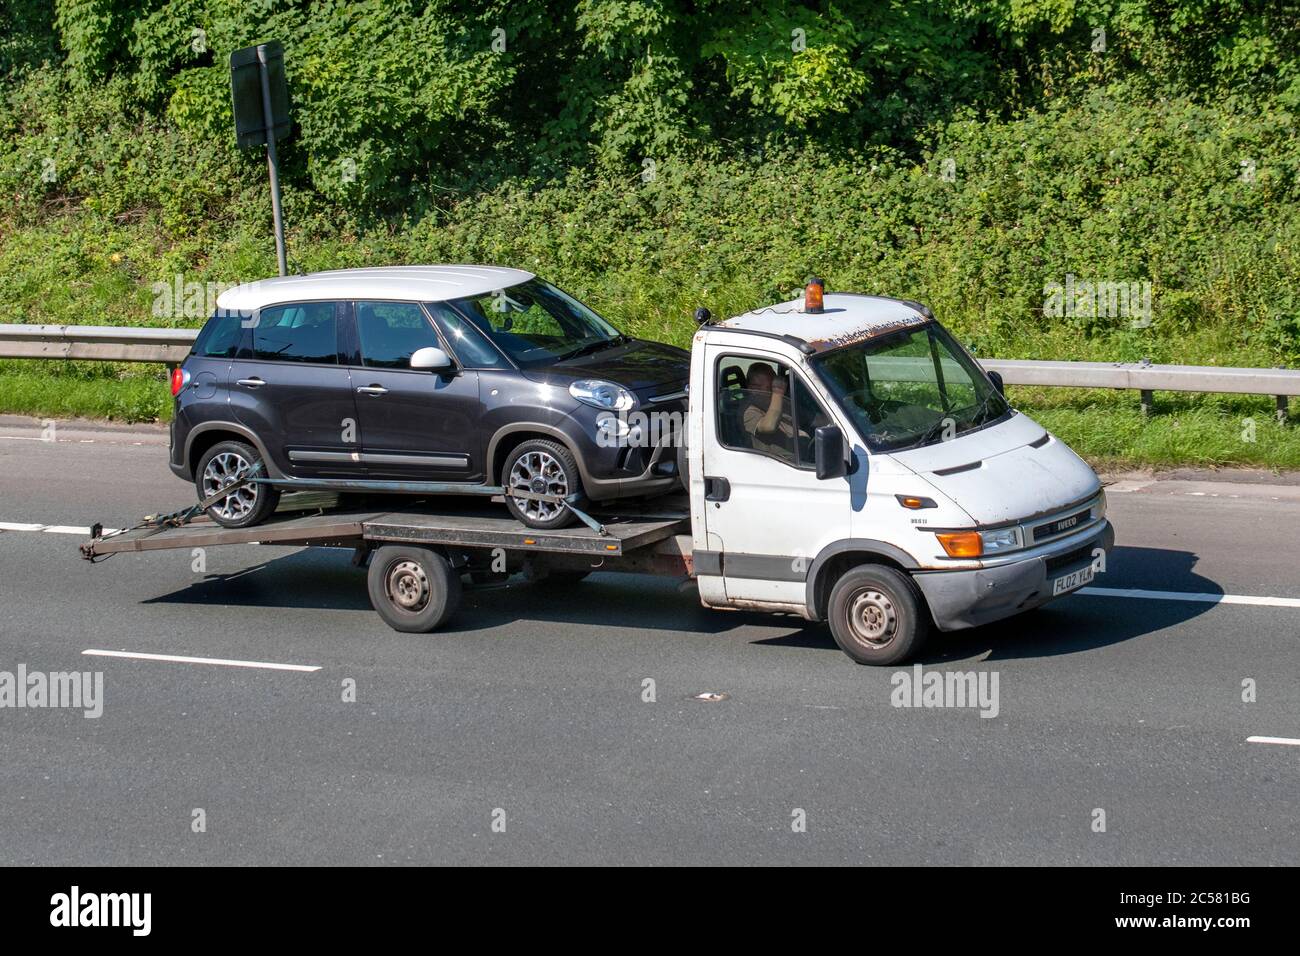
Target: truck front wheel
pixel 876 615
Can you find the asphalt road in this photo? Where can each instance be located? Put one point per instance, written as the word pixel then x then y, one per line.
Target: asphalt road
pixel 529 708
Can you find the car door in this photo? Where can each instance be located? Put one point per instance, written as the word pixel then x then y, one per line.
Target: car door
pixel 765 509
pixel 289 388
pixel 416 424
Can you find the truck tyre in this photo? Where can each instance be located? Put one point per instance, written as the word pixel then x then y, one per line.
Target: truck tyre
pixel 543 468
pixel 222 465
pixel 877 616
pixel 413 589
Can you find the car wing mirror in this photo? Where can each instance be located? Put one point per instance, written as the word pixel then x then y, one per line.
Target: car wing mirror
pixel 996 379
pixel 431 358
pixel 828 452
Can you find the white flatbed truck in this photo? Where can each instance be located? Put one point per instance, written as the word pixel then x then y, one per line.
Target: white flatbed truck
pixel 847 461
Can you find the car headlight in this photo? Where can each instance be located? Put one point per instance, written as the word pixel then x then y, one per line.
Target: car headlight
pixel 1099 509
pixel 1003 539
pixel 602 394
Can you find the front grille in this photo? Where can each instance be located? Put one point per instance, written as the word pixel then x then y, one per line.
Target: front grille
pixel 1059 526
pixel 1076 556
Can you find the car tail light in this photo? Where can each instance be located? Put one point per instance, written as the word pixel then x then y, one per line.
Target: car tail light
pixel 180 378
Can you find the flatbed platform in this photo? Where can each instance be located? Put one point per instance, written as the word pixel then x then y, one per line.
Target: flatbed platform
pixel 480 527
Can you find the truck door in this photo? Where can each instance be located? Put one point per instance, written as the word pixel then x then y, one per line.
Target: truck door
pixel 765 509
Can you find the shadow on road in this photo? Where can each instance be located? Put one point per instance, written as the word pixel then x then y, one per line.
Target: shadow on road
pixel 1071 624
pixel 327 579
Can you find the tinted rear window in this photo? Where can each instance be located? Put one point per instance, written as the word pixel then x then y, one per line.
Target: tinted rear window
pixel 303 332
pixel 219 338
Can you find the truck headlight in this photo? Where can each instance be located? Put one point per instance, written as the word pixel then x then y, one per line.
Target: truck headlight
pixel 972 544
pixel 1003 539
pixel 601 394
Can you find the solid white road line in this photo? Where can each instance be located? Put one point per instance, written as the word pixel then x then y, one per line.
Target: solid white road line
pixel 1288 741
pixel 1191 596
pixel 175 659
pixel 19 526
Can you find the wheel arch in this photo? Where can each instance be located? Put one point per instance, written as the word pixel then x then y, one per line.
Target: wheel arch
pixel 204 436
pixel 834 559
pixel 509 437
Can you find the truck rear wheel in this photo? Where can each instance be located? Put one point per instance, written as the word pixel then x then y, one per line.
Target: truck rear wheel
pixel 877 616
pixel 413 589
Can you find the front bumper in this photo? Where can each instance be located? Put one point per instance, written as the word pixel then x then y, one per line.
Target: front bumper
pixel 961 599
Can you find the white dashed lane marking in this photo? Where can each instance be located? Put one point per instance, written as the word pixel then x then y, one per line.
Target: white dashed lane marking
pixel 1191 596
pixel 175 659
pixel 48 528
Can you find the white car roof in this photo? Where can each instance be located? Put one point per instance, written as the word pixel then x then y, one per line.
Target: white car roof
pixel 847 318
pixel 411 283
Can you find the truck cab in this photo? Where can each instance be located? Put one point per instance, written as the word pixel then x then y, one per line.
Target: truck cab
pixel 850 462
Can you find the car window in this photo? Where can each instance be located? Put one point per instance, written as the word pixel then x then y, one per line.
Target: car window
pixel 471 348
pixel 535 323
pixel 304 332
pixel 391 332
pixel 220 337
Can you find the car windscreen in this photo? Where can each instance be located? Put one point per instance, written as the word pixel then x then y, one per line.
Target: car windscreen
pixel 535 323
pixel 910 388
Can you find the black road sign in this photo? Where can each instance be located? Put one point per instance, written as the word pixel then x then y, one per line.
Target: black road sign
pixel 246 91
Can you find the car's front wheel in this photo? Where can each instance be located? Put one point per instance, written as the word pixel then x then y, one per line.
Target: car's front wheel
pixel 223 465
pixel 540 467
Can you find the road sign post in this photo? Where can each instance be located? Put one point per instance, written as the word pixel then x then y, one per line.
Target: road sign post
pixel 261 106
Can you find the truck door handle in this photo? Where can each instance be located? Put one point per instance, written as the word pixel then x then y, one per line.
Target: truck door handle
pixel 716 489
pixel 253 382
pixel 372 390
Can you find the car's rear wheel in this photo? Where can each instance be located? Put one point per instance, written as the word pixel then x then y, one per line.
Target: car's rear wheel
pixel 541 467
pixel 222 466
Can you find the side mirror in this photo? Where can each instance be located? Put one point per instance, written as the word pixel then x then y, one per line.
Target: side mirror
pixel 996 379
pixel 433 359
pixel 828 452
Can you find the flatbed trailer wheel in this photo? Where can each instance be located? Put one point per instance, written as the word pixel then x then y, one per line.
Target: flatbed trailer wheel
pixel 413 589
pixel 877 616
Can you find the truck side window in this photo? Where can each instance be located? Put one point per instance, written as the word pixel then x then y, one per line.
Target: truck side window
pixel 755 411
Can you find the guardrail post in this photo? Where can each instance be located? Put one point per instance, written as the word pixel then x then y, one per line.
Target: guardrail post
pixel 1281 409
pixel 1148 400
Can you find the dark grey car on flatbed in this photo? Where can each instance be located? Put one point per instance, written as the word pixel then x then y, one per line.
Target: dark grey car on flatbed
pixel 418 375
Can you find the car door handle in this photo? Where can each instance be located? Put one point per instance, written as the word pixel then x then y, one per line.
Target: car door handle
pixel 372 390
pixel 716 489
pixel 251 382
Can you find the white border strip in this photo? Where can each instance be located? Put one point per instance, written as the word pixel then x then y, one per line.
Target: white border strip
pixel 1288 741
pixel 50 528
pixel 138 656
pixel 1191 596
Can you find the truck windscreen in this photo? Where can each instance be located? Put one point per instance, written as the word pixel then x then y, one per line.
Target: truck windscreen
pixel 910 388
